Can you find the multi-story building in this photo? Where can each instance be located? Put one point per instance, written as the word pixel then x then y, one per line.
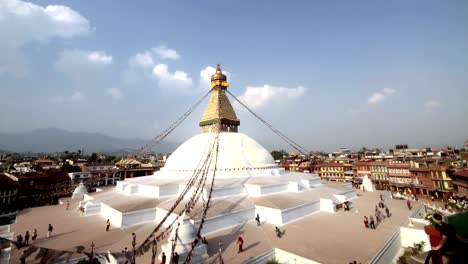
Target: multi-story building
pixel 332 171
pixel 379 174
pixel 460 182
pixel 100 174
pixel 422 181
pixel 399 176
pixel 8 195
pixel 362 168
pixel 440 179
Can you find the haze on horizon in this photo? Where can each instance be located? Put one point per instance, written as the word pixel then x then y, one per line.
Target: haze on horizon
pixel 328 74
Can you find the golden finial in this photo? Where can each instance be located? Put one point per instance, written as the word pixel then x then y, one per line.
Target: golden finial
pixel 219 79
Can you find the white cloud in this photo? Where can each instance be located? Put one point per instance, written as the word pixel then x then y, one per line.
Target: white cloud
pixel 144 59
pixel 205 76
pixel 380 96
pixel 79 63
pixel 149 58
pixel 77 96
pixel 255 97
pixel 165 53
pixel 179 80
pixel 115 93
pixel 23 22
pixel 431 105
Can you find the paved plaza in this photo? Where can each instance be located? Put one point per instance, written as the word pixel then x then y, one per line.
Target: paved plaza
pixel 324 237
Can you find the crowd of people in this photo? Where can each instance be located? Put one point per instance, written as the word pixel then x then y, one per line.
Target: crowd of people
pixel 379 216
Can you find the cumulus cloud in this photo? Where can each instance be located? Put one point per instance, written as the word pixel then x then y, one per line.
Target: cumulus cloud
pixel 179 80
pixel 23 22
pixel 141 64
pixel 165 53
pixel 205 76
pixel 115 93
pixel 380 96
pixel 78 63
pixel 144 59
pixel 256 97
pixel 76 96
pixel 431 105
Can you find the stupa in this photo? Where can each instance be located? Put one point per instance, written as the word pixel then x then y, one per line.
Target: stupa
pixel 248 182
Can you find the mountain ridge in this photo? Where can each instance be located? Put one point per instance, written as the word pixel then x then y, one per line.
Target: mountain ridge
pixel 51 139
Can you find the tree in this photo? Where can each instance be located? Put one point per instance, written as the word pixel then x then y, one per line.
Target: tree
pixel 94 157
pixel 278 154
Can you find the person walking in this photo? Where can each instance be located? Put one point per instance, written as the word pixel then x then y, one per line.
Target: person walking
pixel 258 219
pixel 346 207
pixel 381 197
pixel 68 205
pixel 175 259
pixel 372 223
pixel 107 225
pixel 23 257
pixel 26 238
pixel 240 243
pixel 408 203
pixel 278 232
pixel 378 217
pixel 366 222
pixel 387 211
pixel 163 258
pixel 49 230
pixel 34 234
pixel 19 241
pixel 133 238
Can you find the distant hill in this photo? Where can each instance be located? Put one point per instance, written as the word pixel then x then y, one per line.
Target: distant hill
pixel 56 140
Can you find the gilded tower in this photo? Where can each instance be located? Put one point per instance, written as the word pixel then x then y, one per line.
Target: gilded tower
pixel 219 114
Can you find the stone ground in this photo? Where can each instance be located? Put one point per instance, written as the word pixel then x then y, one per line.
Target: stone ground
pixel 323 237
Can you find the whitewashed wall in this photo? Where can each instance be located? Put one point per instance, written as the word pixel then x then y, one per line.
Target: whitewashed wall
pixel 389 251
pixel 137 217
pixel 294 213
pixel 223 221
pixel 274 188
pixel 409 236
pixel 253 190
pixel 148 190
pixel 269 215
pixel 161 213
pixel 326 205
pixel 285 257
pixel 113 215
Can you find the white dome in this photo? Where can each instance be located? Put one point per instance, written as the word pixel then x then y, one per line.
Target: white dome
pixel 237 151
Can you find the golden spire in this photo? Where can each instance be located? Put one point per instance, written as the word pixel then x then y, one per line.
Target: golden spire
pixel 219 114
pixel 219 79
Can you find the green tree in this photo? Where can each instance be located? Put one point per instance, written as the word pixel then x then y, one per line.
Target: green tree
pixel 278 154
pixel 94 157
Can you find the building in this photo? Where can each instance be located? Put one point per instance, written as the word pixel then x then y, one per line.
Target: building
pixel 379 174
pixel 130 168
pixel 440 179
pixel 96 174
pixel 362 168
pixel 460 182
pixel 333 171
pixel 37 188
pixel 422 181
pixel 8 195
pixel 399 176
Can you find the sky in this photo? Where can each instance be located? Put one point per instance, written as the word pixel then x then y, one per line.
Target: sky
pixel 328 74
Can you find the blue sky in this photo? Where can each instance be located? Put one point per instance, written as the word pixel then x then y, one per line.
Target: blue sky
pixel 329 74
